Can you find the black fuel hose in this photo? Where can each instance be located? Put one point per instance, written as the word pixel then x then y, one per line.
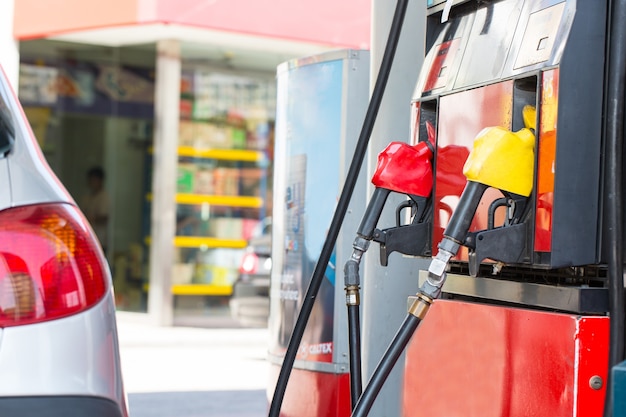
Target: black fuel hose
pixel 354 343
pixel 386 364
pixel 340 211
pixel 614 130
pixel 365 234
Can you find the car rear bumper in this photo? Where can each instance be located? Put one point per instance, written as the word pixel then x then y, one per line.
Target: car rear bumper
pixel 59 406
pixel 72 357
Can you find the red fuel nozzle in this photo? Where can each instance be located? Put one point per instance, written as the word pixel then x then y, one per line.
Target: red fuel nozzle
pixel 405 169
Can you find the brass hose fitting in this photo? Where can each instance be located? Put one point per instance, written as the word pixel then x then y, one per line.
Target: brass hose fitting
pixel 420 305
pixel 353 297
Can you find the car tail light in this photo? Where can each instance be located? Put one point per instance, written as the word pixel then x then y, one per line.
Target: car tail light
pixel 50 264
pixel 249 263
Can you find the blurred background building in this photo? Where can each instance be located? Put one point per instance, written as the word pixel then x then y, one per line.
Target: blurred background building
pixel 175 101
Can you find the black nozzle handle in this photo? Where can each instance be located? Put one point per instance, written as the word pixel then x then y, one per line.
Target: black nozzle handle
pixel 372 213
pixel 464 213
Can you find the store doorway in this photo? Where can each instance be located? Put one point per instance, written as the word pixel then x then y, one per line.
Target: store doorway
pixel 120 147
pixel 91 107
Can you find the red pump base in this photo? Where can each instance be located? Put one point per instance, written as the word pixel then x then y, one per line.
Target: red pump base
pixel 476 360
pixel 313 393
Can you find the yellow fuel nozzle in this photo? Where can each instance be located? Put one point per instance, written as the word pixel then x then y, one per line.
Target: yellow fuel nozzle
pixel 529 114
pixel 500 159
pixel 503 159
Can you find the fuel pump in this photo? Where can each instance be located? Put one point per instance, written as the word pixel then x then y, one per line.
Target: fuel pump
pixel 528 272
pixel 499 159
pixel 527 278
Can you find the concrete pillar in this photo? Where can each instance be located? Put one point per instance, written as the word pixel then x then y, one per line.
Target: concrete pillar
pixel 10 56
pixel 163 223
pixel 385 289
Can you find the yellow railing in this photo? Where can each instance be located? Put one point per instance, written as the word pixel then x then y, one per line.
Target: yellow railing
pixel 201 289
pixel 208 242
pixel 197 289
pixel 223 154
pixel 220 200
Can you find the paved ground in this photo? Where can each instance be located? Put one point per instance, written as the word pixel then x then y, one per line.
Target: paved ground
pixel 193 372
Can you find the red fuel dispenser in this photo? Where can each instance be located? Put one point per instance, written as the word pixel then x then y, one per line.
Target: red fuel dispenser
pixel 523 304
pixel 523 328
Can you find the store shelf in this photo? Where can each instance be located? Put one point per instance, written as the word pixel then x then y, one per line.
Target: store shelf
pixel 220 200
pixel 222 171
pixel 208 242
pixel 197 289
pixel 216 200
pixel 201 289
pixel 222 154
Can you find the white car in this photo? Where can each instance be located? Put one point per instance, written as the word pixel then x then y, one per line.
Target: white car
pixel 59 352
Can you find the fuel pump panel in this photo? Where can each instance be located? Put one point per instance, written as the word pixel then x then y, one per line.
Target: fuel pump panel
pixel 503 182
pixel 542 70
pixel 515 89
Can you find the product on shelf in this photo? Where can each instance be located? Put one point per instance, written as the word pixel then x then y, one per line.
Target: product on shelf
pixel 215 275
pixel 203 181
pixel 251 181
pixel 186 108
pixel 185 133
pixel 239 140
pixel 226 181
pixel 185 178
pixel 226 228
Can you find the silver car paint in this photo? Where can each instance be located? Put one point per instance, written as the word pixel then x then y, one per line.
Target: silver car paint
pixel 77 355
pixel 5 197
pixel 25 171
pixel 29 184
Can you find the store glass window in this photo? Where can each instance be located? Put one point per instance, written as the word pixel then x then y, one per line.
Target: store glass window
pixel 91 108
pixel 224 177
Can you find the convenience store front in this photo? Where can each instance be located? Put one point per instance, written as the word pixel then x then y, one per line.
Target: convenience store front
pixel 178 111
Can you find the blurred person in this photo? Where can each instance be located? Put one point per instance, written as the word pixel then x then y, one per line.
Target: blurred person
pixel 96 204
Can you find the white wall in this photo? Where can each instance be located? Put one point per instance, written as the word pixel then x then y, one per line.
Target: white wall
pixel 9 51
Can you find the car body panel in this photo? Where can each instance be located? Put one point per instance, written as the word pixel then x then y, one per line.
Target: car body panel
pixel 29 182
pixel 6 199
pixel 28 175
pixel 76 355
